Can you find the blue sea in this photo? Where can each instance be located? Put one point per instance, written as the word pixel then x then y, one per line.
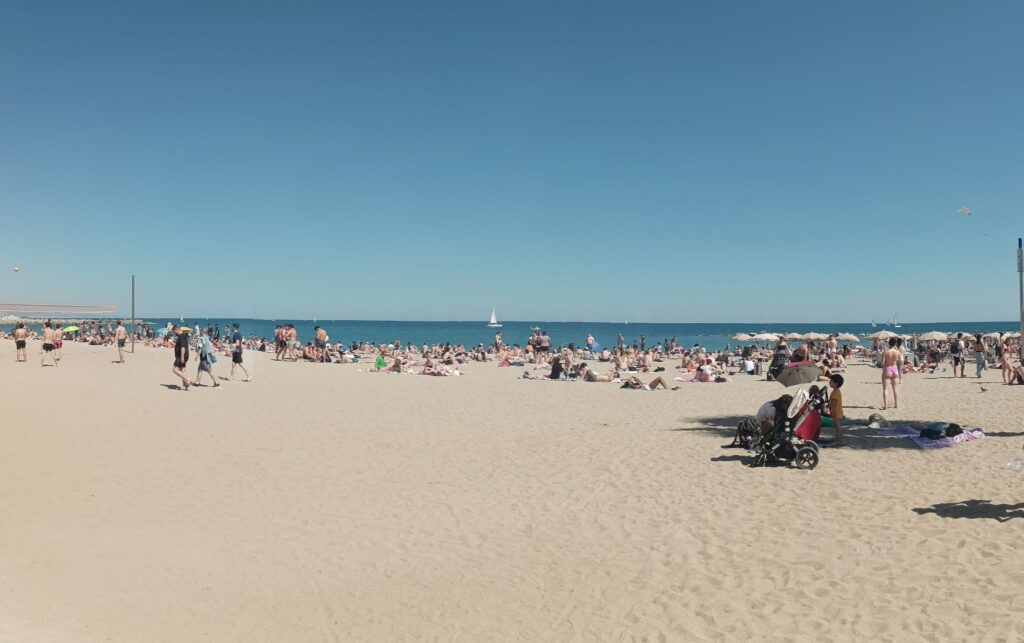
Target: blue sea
pixel 711 335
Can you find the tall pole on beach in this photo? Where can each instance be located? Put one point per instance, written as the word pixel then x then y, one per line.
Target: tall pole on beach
pixel 135 324
pixel 1020 284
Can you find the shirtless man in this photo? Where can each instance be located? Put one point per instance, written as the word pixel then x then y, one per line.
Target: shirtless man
pixel 279 344
pixel 320 341
pixel 47 345
pixel 890 373
pixel 120 336
pixel 58 341
pixel 20 339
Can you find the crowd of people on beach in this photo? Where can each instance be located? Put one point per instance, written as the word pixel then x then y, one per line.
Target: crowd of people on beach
pixel 588 362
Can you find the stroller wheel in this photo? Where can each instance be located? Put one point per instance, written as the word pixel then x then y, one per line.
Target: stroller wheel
pixel 806 458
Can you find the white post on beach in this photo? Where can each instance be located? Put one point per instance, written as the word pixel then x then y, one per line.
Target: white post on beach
pixel 1020 283
pixel 135 324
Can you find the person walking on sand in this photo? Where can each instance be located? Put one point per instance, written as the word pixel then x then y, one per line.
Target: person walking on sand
pixel 120 337
pixel 47 345
pixel 207 358
pixel 20 340
pixel 236 352
pixel 890 373
pixel 181 355
pixel 58 341
pixel 956 351
pixel 979 354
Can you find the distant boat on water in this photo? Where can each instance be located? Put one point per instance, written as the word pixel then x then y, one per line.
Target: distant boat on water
pixel 494 319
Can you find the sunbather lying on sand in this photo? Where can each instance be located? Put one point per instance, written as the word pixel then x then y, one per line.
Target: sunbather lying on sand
pixel 588 374
pixel 635 383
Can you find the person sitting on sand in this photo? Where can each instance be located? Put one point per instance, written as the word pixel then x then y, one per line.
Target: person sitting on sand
pixel 588 374
pixel 429 367
pixel 1017 376
pixel 556 368
pixel 396 365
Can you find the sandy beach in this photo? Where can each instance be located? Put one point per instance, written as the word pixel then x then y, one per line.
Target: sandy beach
pixel 322 502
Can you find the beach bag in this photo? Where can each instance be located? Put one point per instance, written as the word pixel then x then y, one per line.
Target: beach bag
pixel 211 357
pixel 745 433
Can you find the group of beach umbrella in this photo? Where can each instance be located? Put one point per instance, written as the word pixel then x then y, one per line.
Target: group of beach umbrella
pixel 939 336
pixel 774 337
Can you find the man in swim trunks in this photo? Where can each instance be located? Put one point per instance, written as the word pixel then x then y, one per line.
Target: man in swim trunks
pixel 120 336
pixel 48 345
pixel 58 341
pixel 956 351
pixel 20 339
pixel 181 355
pixel 279 344
pixel 320 341
pixel 236 352
pixel 890 372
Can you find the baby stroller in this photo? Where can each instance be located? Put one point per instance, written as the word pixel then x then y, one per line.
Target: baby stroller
pixel 792 438
pixel 779 362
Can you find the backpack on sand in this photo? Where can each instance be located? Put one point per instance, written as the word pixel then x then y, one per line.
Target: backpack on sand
pixel 745 433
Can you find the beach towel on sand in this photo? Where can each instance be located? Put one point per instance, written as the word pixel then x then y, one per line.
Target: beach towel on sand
pixel 914 435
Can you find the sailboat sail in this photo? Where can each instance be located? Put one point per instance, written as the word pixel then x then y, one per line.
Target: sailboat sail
pixel 494 316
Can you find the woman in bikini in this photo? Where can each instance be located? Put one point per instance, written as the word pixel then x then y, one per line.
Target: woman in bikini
pixel 890 373
pixel 1004 357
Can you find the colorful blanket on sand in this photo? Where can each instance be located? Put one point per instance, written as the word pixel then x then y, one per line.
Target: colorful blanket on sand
pixel 914 435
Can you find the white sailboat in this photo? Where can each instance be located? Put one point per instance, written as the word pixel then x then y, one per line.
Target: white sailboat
pixel 895 324
pixel 494 319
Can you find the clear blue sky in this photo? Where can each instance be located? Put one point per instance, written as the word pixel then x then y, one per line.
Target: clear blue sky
pixel 660 161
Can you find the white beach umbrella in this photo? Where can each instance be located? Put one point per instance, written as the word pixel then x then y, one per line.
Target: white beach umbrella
pixel 933 336
pixel 993 335
pixel 794 336
pixel 847 337
pixel 742 337
pixel 882 334
pixel 816 337
pixel 765 337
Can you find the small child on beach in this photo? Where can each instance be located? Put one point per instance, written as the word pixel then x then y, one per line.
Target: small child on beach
pixel 835 405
